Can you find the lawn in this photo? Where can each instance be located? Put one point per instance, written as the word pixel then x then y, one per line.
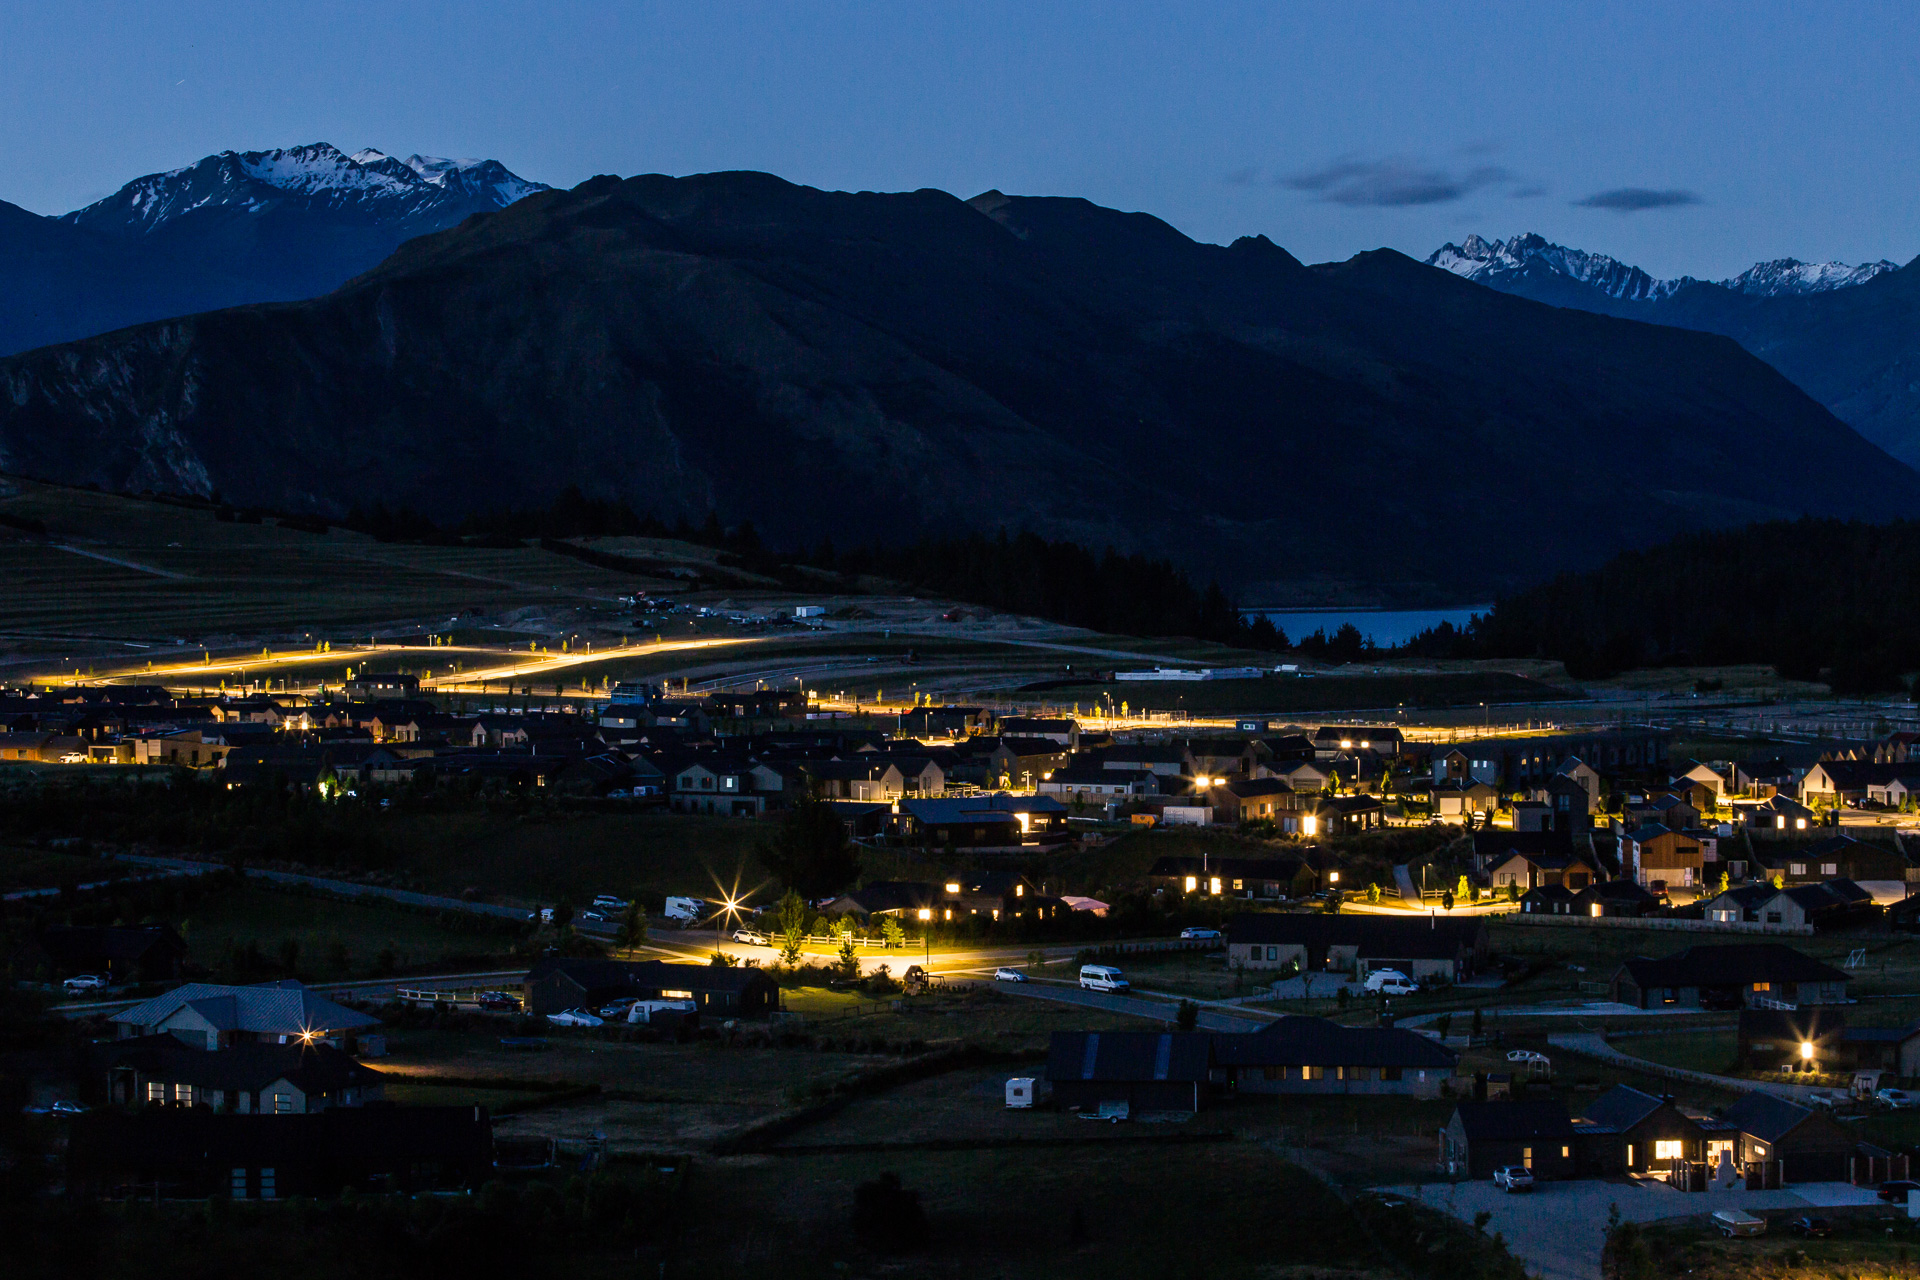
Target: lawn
pixel 46 869
pixel 1710 1049
pixel 981 1016
pixel 1867 1243
pixel 368 936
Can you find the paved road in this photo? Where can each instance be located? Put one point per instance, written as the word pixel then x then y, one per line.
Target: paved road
pixel 1211 1019
pixel 1409 892
pixel 1558 1227
pixel 1592 1044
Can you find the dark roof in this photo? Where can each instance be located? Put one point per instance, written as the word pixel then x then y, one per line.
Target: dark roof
pixel 1765 1116
pixel 1511 1120
pixel 1732 964
pixel 1746 896
pixel 1247 788
pixel 314 1068
pixel 1493 844
pixel 1549 893
pixel 891 895
pixel 1233 868
pixel 1622 1107
pixel 1425 937
pixel 1619 891
pixel 1127 1056
pixel 1299 1041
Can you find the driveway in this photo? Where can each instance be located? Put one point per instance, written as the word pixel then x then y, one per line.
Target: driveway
pixel 1594 1045
pixel 1557 1229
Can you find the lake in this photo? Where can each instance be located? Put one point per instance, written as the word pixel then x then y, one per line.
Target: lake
pixel 1386 626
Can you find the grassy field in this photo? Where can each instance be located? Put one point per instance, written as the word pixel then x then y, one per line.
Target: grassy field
pixel 46 868
pixel 983 1017
pixel 1867 1244
pixel 576 856
pixel 326 930
pixel 1710 1049
pixel 1324 693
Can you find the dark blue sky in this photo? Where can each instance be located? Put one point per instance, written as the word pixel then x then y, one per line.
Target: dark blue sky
pixel 1700 137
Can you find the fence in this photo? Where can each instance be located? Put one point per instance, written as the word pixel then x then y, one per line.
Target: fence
pixel 837 940
pixel 1672 923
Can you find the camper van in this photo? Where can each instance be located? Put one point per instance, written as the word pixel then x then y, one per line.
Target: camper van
pixel 685 910
pixel 1102 977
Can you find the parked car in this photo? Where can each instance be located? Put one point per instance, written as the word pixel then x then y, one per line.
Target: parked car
pixel 574 1018
pixel 85 982
pixel 1513 1177
pixel 1896 1192
pixel 1199 935
pixel 617 1010
pixel 1896 1098
pixel 498 1001
pixel 1738 1222
pixel 1102 977
pixel 607 902
pixel 1380 978
pixel 752 938
pixel 1395 986
pixel 1007 974
pixel 1812 1228
pixel 591 914
pixel 1528 1057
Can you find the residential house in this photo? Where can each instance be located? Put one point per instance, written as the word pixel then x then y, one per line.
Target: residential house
pixel 1629 1131
pixel 1334 739
pixel 1775 815
pixel 1833 904
pixel 1883 870
pixel 1083 783
pixel 1317 1056
pixel 1421 948
pixel 1533 869
pixel 196 1153
pixel 1740 904
pixel 1020 763
pixel 1341 815
pixel 1729 976
pixel 1168 760
pixel 986 822
pixel 1484 1136
pixel 1659 857
pixel 1307 777
pixel 1810 1037
pixel 1459 765
pixel 1063 731
pixel 1242 799
pixel 375 686
pixel 1614 898
pixel 194 748
pixel 903 899
pixel 1549 899
pixel 1761 778
pixel 717 785
pixel 556 984
pixel 212 1016
pixel 258 1078
pixel 1458 797
pixel 1714 777
pixel 1271 878
pixel 1843 782
pixel 1808 1145
pixel 1147 1070
pixel 1665 810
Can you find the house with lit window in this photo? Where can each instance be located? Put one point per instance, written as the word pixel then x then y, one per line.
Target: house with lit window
pixel 1091 783
pixel 1629 1131
pixel 1661 858
pixel 210 1016
pixel 1744 975
pixel 986 822
pixel 1274 878
pixel 1882 870
pixel 248 1079
pixel 1316 1055
pixel 1534 1133
pixel 1423 948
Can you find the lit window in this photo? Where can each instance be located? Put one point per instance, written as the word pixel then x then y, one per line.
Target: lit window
pixel 1193 882
pixel 1667 1150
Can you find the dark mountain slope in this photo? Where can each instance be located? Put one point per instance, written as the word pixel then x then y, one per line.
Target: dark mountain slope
pixel 1856 349
pixel 873 366
pixel 239 227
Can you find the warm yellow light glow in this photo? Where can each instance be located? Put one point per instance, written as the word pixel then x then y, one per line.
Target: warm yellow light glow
pixel 1309 825
pixel 1333 877
pixel 1593 909
pixel 1806 1050
pixel 953 886
pixel 1800 823
pixel 926 913
pixel 1193 882
pixel 1213 885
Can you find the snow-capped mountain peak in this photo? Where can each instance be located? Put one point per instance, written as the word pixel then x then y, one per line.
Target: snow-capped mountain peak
pixel 379 187
pixel 1790 275
pixel 1494 261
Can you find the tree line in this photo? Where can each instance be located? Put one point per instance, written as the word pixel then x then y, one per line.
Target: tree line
pixel 1816 599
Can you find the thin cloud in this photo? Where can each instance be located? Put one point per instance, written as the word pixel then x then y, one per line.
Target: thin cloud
pixel 1241 177
pixel 1393 183
pixel 1529 192
pixel 1636 199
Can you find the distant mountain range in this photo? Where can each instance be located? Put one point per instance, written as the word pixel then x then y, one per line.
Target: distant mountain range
pixel 875 367
pixel 239 227
pixel 1847 335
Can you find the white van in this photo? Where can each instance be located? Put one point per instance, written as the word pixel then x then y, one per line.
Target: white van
pixel 1102 977
pixel 684 909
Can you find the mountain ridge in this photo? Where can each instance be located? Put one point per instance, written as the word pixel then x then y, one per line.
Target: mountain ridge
pixel 1848 336
pixel 874 366
pixel 229 229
